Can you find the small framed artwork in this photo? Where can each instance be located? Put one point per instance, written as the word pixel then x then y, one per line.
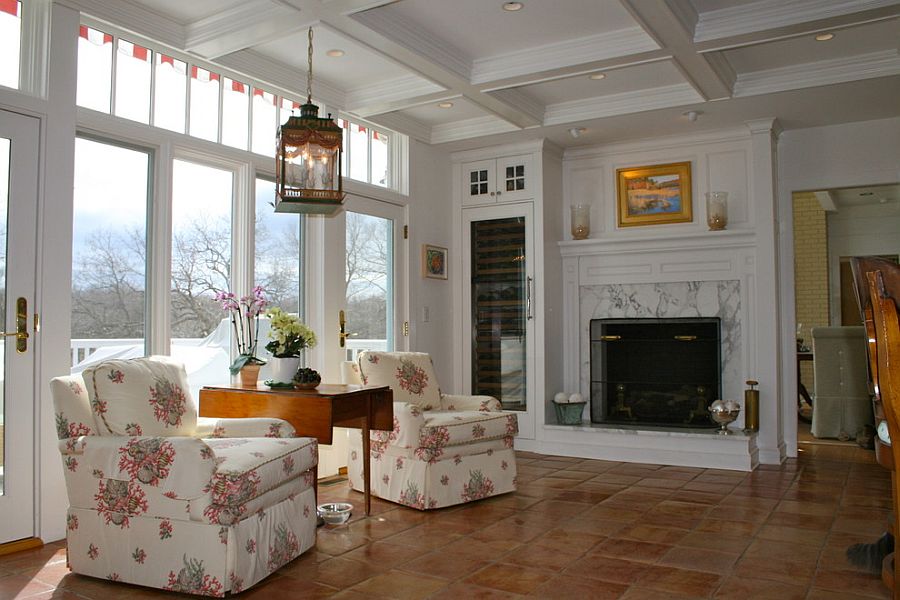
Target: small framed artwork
pixel 434 262
pixel 654 194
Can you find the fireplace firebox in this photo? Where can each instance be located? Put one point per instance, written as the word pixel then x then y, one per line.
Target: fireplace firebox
pixel 655 372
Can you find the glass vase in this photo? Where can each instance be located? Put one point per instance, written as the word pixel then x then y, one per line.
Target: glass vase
pixel 717 210
pixel 581 221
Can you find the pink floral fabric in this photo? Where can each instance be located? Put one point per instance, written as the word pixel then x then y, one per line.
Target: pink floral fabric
pixel 209 427
pixel 409 374
pixel 442 449
pixel 151 394
pixel 73 412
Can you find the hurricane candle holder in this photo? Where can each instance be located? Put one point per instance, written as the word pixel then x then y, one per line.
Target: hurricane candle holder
pixel 581 221
pixel 717 210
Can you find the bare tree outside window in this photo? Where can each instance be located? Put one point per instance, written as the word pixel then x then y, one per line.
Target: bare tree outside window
pixel 368 275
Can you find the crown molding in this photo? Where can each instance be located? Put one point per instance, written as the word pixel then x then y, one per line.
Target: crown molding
pixel 404 124
pixel 390 91
pixel 772 14
pixel 470 128
pixel 826 72
pixel 404 32
pixel 134 17
pixel 621 104
pixel 676 142
pixel 242 26
pixel 562 54
pixel 282 76
pixel 539 145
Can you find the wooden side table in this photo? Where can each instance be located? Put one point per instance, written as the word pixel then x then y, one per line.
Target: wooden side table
pixel 313 413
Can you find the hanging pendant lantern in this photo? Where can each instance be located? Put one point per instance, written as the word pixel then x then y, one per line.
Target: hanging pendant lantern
pixel 308 159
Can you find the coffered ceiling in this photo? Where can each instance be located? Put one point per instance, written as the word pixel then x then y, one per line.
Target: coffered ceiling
pixel 526 73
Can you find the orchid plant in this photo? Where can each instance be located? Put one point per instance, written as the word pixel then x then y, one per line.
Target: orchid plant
pixel 288 333
pixel 244 313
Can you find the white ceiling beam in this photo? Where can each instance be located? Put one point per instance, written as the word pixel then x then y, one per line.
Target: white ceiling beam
pixel 681 94
pixel 394 94
pixel 349 7
pixel 709 76
pixel 387 106
pixel 243 26
pixel 764 20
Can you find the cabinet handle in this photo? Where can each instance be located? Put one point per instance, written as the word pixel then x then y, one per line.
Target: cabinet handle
pixel 528 314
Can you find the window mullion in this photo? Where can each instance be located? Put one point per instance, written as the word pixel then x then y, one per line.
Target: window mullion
pixel 159 255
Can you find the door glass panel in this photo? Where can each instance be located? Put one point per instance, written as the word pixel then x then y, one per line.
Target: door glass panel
pixel 10 36
pixel 278 245
pixel 499 310
pixel 201 266
pixel 369 278
pixel 109 235
pixel 4 201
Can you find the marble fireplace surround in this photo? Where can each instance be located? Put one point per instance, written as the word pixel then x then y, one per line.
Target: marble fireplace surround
pixel 688 275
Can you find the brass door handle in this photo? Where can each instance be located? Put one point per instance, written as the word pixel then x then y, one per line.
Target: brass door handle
pixel 342 333
pixel 21 332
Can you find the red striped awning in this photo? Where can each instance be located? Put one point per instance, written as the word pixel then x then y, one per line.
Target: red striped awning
pixel 10 7
pixel 166 59
pixel 131 49
pixel 95 37
pixel 203 74
pixel 237 86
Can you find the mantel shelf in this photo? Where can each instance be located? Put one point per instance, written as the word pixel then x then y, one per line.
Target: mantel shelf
pixel 704 240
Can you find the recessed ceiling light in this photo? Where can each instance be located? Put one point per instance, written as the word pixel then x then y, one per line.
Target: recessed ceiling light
pixel 445 105
pixel 824 37
pixel 336 53
pixel 513 6
pixel 692 115
pixel 598 76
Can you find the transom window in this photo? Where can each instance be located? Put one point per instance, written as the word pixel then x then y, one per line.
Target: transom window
pixel 10 42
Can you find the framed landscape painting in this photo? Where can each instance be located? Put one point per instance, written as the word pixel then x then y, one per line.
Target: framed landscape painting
pixel 654 194
pixel 434 261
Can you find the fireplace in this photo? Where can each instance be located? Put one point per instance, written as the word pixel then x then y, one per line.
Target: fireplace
pixel 655 372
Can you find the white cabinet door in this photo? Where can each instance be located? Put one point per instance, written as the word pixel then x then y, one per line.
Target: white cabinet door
pixel 479 182
pixel 507 179
pixel 514 178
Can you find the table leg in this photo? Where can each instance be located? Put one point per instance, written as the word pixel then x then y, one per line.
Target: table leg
pixel 367 472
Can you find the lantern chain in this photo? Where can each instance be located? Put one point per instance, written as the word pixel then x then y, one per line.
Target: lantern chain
pixel 309 73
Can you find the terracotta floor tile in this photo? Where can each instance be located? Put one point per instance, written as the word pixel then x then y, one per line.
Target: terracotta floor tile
pixel 699 559
pixel 510 578
pixel 400 586
pixel 469 591
pixel 604 568
pixel 819 594
pixel 715 541
pixel 447 565
pixel 652 533
pixel 642 593
pixel 386 554
pixel 481 550
pixel 810 537
pixel 339 540
pixel 20 586
pixel 564 587
pixel 567 541
pixel 287 587
pixel 679 581
pixel 851 582
pixel 776 569
pixel 632 550
pixel 735 527
pixel 746 588
pixel 532 555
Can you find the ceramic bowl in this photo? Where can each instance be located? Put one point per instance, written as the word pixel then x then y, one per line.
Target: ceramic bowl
pixel 335 513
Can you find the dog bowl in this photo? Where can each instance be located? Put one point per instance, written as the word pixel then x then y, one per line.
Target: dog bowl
pixel 335 513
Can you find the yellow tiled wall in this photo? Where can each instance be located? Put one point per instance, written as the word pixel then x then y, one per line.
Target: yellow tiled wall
pixel 810 271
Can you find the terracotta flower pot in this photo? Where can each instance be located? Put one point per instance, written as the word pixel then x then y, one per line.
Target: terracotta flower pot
pixel 249 375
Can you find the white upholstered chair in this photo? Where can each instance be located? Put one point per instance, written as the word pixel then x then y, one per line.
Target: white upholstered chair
pixel 444 449
pixel 162 498
pixel 841 403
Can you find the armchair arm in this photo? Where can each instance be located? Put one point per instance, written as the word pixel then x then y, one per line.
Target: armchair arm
pixel 408 420
pixel 180 467
pixel 213 427
pixel 482 403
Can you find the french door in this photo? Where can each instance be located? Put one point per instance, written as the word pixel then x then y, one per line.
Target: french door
pixel 356 288
pixel 19 137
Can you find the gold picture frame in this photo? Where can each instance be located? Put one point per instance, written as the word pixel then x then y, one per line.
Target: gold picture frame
pixel 654 194
pixel 434 262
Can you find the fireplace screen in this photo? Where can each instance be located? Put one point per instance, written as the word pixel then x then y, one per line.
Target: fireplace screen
pixel 656 372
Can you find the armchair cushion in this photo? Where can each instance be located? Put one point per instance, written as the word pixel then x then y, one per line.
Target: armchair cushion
pixel 141 397
pixel 482 403
pixel 409 374
pixel 214 427
pixel 73 412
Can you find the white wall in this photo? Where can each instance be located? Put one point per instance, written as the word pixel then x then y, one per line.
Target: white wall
pixel 850 154
pixel 866 230
pixel 430 218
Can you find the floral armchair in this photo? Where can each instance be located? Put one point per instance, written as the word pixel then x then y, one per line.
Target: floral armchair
pixel 163 498
pixel 443 449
